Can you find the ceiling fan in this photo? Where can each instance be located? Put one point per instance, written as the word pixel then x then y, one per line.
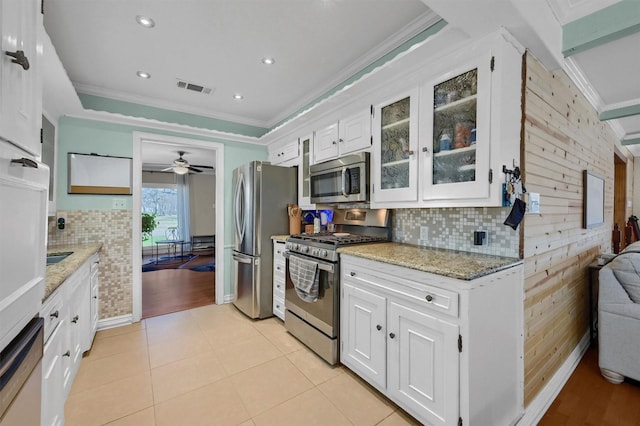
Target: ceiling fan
pixel 181 166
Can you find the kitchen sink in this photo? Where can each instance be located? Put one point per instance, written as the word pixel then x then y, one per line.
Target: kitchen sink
pixel 54 258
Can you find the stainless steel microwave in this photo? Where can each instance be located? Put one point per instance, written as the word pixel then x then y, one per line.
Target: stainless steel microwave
pixel 345 179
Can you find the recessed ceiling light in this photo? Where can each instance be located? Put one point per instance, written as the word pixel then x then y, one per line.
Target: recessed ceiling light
pixel 143 74
pixel 268 61
pixel 238 97
pixel 145 21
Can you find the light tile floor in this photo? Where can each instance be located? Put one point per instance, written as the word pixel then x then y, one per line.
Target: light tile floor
pixel 214 366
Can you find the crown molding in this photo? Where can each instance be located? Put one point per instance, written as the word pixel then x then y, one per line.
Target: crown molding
pixel 114 118
pixel 166 105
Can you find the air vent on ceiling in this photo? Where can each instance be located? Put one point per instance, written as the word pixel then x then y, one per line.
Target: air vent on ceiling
pixel 194 87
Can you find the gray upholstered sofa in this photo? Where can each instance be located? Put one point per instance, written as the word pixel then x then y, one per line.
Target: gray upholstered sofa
pixel 619 316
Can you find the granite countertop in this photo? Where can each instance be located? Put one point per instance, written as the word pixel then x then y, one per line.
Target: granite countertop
pixel 450 263
pixel 58 272
pixel 280 237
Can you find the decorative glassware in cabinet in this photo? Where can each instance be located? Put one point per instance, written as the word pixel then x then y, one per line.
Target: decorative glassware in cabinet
pixel 395 148
pixel 454 129
pixel 305 168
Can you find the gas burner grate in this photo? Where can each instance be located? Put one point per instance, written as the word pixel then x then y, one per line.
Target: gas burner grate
pixel 337 240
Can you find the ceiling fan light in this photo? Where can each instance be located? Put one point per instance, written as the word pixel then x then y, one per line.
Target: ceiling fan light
pixel 180 170
pixel 145 21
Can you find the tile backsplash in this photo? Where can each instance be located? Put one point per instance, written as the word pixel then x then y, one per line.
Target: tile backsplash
pixel 452 228
pixel 113 229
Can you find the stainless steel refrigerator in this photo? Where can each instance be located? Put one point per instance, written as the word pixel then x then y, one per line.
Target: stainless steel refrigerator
pixel 261 193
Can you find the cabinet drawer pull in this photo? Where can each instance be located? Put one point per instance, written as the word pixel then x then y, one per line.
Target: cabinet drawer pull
pixel 340 140
pixel 334 143
pixel 67 353
pixel 378 327
pixel 353 274
pixel 55 314
pixel 75 319
pixel 429 298
pixel 95 297
pixel 425 149
pixel 277 285
pixel 392 335
pixel 19 58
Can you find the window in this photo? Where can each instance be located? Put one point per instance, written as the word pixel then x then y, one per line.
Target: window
pixel 160 199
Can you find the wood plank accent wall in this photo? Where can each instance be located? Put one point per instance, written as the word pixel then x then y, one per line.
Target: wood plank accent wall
pixel 562 136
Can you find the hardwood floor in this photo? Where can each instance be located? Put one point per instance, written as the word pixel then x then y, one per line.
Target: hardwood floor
pixel 588 399
pixel 172 290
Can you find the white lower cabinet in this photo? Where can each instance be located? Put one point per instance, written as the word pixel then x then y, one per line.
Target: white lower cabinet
pixel 77 288
pixel 53 404
pixel 423 362
pixel 52 370
pixel 278 278
pixel 69 332
pixel 94 294
pixel 436 346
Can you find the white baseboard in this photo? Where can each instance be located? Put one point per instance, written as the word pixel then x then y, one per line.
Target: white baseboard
pixel 112 322
pixel 541 403
pixel 228 298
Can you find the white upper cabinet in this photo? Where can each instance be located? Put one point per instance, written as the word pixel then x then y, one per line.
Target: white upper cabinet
pixel 326 143
pixel 284 155
pixel 49 148
pixel 455 132
pixel 394 166
pixel 304 180
pixel 444 122
pixel 348 135
pixel 20 73
pixel 444 144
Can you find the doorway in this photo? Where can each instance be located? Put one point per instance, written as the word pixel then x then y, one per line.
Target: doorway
pixel 620 196
pixel 174 279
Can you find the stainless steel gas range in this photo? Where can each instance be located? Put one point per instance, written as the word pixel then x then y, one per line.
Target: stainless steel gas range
pixel 312 295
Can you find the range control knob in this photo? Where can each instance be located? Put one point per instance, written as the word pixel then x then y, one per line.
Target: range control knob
pixel 304 249
pixel 324 253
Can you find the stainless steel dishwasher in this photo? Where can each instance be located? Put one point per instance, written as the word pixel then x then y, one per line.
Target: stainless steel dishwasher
pixel 21 377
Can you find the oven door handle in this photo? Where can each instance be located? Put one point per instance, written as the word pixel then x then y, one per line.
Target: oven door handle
pixel 327 267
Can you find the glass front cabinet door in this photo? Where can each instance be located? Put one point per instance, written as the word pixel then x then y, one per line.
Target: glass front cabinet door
pixel 395 160
pixel 304 182
pixel 455 118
